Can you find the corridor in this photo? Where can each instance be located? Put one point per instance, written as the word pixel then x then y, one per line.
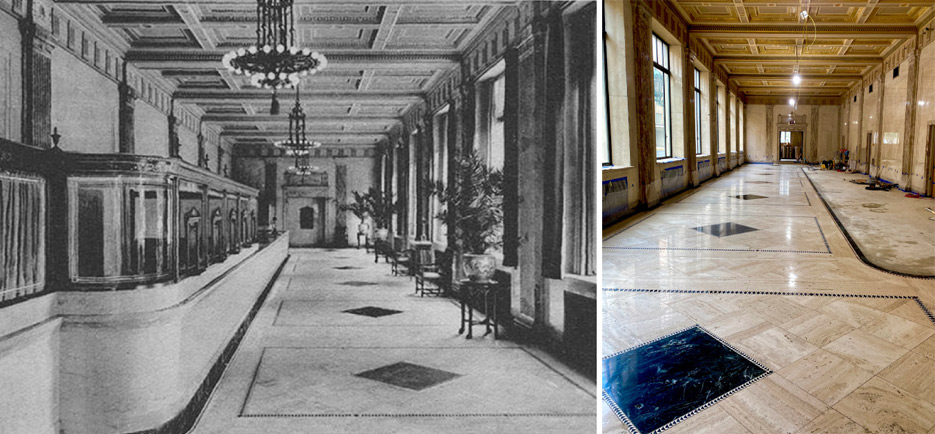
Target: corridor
pixel 311 363
pixel 756 260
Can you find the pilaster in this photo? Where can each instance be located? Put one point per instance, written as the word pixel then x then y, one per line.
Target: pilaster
pixel 909 129
pixel 36 83
pixel 646 132
pixel 712 122
pixel 688 95
pixel 771 147
pixel 126 116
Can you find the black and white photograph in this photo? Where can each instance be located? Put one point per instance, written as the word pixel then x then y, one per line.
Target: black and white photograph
pixel 298 216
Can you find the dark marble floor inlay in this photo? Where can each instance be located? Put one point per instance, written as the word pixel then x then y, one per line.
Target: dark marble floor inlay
pixel 757 182
pixel 725 229
pixel 749 196
pixel 347 267
pixel 658 384
pixel 358 283
pixel 373 312
pixel 409 375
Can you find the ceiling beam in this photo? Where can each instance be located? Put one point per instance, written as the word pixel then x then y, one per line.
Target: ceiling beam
pixel 152 59
pixel 312 119
pixel 791 60
pixel 221 97
pixel 830 77
pixel 324 137
pixel 796 88
pixel 797 3
pixel 795 31
pixel 252 3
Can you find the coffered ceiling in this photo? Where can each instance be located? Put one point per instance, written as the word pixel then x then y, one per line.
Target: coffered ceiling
pixel 762 43
pixel 382 58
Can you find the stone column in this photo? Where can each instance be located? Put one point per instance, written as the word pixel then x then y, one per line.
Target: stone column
pixel 712 121
pixel 771 134
pixel 650 188
pixel 125 115
pixel 511 159
pixel 737 138
pixel 909 129
pixel 173 123
pixel 36 83
pixel 857 153
pixel 878 145
pixel 424 160
pixel 813 125
pixel 688 88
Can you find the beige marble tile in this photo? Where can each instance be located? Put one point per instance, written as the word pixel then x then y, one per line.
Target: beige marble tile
pixel 773 405
pixel 729 326
pixel 910 310
pixel 825 376
pixel 851 312
pixel 776 347
pixel 866 351
pixel 883 407
pixel 813 303
pixel 833 422
pixel 881 304
pixel 713 420
pixel 777 311
pixel 701 309
pixel 914 374
pixel 819 330
pixel 927 348
pixel 654 327
pixel 899 331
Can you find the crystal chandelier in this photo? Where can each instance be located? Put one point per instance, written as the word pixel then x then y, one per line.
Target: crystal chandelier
pixel 297 144
pixel 275 62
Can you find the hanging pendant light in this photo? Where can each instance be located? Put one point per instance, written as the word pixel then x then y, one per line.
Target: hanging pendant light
pixel 297 143
pixel 275 62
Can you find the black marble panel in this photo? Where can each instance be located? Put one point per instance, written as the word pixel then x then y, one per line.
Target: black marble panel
pixel 371 311
pixel 357 283
pixel 660 383
pixel 409 375
pixel 749 196
pixel 725 229
pixel 347 267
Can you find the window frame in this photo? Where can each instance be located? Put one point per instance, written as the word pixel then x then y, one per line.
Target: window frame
pixel 660 49
pixel 699 146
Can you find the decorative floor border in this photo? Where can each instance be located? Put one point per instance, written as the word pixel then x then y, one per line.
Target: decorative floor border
pixel 928 313
pixel 817 224
pixel 626 420
pixel 718 250
pixel 415 415
pixel 850 240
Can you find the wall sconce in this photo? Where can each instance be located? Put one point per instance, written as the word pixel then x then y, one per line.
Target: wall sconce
pixel 55 137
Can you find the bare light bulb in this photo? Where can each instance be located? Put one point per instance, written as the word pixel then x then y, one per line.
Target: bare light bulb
pixel 796 79
pixel 792 101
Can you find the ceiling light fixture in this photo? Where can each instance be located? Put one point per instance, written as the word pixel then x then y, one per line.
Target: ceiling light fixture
pixel 297 144
pixel 275 62
pixel 792 102
pixel 796 79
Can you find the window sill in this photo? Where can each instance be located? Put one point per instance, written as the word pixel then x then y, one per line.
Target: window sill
pixel 669 160
pixel 615 167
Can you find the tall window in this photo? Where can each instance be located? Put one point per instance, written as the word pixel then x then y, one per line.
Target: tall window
pixel 440 172
pixel 698 112
pixel 717 120
pixel 662 98
pixel 785 137
pixel 491 99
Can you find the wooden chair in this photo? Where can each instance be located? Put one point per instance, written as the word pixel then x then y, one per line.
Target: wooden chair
pixel 402 262
pixel 427 273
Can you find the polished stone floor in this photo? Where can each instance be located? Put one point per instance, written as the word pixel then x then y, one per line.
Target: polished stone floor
pixel 852 348
pixel 891 230
pixel 342 346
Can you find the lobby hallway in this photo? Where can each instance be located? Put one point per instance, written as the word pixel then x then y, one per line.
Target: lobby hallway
pixel 756 260
pixel 311 363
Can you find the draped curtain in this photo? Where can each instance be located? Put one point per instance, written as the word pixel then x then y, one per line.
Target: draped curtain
pixel 22 237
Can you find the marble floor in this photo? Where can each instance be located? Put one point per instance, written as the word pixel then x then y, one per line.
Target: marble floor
pixel 850 348
pixel 342 346
pixel 892 231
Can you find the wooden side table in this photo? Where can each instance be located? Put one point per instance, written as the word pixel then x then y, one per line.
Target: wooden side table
pixel 472 290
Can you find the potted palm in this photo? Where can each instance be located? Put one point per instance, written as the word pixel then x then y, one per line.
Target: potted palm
pixel 474 202
pixel 378 205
